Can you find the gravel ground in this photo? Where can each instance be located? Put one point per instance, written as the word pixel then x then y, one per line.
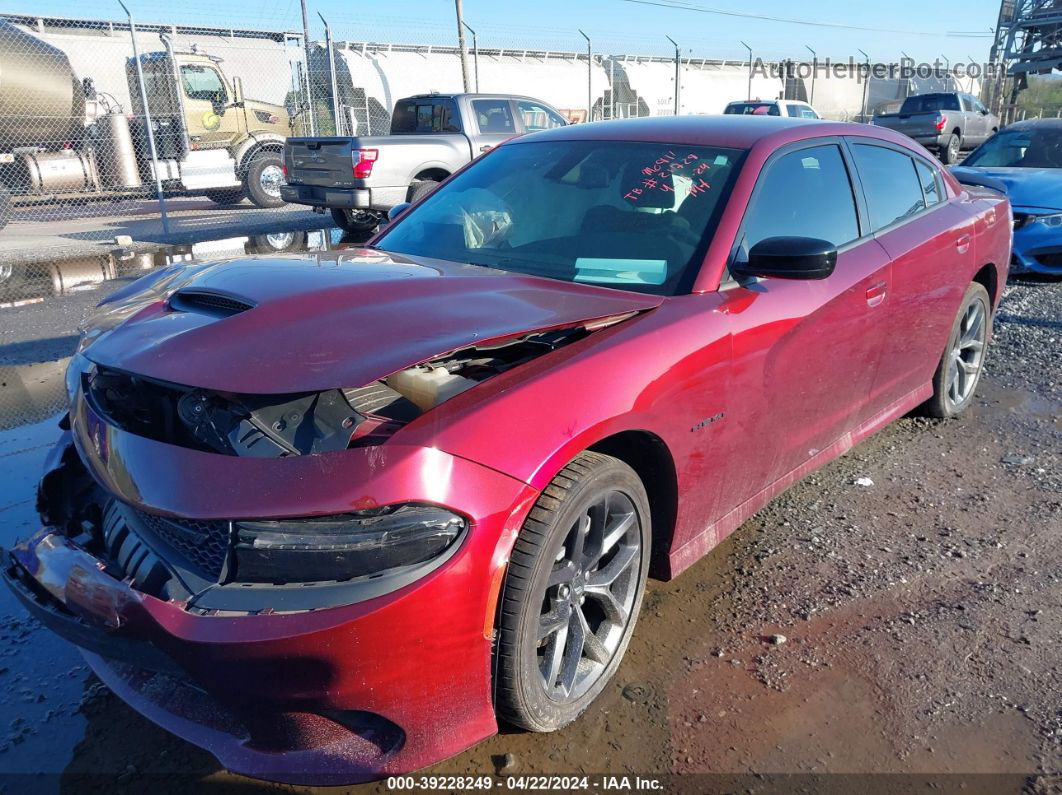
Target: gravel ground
pixel 898 612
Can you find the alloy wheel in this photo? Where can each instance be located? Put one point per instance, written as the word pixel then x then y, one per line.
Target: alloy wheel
pixel 271 178
pixel 589 597
pixel 967 354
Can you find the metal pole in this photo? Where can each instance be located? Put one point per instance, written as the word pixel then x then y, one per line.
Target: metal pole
pixel 589 77
pixel 462 46
pixel 814 71
pixel 678 75
pixel 747 47
pixel 866 86
pixel 147 122
pixel 311 110
pixel 332 73
pixel 947 71
pixel 475 52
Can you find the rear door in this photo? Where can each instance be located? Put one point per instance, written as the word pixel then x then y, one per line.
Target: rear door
pixel 494 121
pixel 805 352
pixel 930 240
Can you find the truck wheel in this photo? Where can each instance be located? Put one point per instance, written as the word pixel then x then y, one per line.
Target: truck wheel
pixel 949 153
pixel 421 188
pixel 6 211
pixel 226 198
pixel 355 220
pixel 263 179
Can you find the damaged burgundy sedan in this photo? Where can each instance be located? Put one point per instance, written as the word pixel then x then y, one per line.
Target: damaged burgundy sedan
pixel 332 517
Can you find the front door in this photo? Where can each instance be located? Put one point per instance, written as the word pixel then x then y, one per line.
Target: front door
pixel 212 122
pixel 804 352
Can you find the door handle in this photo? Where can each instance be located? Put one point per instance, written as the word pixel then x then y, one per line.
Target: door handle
pixel 485 147
pixel 876 293
pixel 963 244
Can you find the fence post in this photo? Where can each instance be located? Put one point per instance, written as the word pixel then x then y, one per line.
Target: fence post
pixel 678 75
pixel 747 47
pixel 866 88
pixel 340 125
pixel 310 109
pixel 147 122
pixel 475 52
pixel 589 77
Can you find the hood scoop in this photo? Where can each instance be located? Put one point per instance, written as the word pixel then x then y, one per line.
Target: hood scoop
pixel 209 302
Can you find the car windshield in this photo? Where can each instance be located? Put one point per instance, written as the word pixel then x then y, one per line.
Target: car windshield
pixel 634 216
pixel 1020 148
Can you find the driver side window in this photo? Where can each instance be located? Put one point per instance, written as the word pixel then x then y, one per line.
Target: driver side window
pixel 806 193
pixel 203 82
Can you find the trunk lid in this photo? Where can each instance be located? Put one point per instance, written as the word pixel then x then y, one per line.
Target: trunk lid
pixel 325 162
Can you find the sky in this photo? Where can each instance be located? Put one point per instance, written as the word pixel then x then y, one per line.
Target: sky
pixel 882 29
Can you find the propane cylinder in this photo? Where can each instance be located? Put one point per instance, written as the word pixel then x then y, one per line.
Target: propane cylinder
pixel 116 153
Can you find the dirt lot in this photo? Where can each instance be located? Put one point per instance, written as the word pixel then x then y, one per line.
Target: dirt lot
pixel 898 612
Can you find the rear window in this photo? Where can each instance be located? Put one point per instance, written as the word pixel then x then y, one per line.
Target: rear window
pixel 425 115
pixel 891 184
pixel 627 215
pixel 930 102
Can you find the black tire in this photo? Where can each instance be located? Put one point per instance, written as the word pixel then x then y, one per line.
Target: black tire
pixel 947 402
pixel 276 243
pixel 547 540
pixel 355 220
pixel 6 210
pixel 262 181
pixel 421 188
pixel 226 198
pixel 949 153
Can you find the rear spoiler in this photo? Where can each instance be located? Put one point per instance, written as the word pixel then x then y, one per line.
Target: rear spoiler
pixel 968 177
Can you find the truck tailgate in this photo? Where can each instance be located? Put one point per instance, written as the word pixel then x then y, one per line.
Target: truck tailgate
pixel 911 124
pixel 320 161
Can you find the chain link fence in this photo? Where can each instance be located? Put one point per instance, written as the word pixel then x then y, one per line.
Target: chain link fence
pixel 167 133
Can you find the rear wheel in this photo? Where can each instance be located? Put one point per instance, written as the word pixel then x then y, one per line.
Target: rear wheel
pixel 263 179
pixel 355 220
pixel 226 198
pixel 959 370
pixel 949 153
pixel 421 188
pixel 572 592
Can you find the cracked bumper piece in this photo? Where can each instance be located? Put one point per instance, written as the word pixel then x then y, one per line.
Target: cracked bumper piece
pixel 385 684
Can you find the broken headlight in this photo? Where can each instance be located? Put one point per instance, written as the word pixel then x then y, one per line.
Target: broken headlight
pixel 344 547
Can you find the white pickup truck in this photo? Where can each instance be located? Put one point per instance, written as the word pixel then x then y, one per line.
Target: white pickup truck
pixel 432 135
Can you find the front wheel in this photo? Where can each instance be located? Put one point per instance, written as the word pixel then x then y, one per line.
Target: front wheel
pixel 263 179
pixel 226 198
pixel 572 592
pixel 960 367
pixel 355 220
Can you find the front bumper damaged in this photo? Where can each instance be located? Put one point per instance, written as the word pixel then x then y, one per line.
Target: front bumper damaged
pixel 334 691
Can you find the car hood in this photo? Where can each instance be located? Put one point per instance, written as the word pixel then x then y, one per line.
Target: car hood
pixel 1026 187
pixel 333 320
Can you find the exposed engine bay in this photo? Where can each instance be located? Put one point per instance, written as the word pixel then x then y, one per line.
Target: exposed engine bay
pixel 276 426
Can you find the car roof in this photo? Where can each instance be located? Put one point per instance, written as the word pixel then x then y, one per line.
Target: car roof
pixel 1018 125
pixel 734 131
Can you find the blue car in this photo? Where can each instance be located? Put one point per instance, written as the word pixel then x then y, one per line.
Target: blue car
pixel 1025 161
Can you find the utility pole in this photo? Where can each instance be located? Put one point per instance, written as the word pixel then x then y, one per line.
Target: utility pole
pixel 310 110
pixel 332 75
pixel 461 44
pixel 678 75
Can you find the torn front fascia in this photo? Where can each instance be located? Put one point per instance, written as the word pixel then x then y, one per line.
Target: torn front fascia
pixel 275 426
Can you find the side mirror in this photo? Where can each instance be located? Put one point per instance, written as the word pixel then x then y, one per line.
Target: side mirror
pixel 237 91
pixel 397 210
pixel 790 258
